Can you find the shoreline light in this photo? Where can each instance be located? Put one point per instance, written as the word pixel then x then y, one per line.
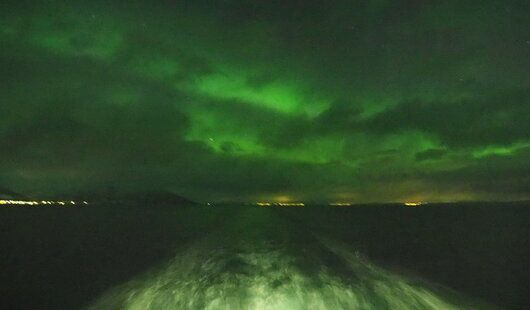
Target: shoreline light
pixel 13 202
pixel 291 204
pixel 340 204
pixel 280 204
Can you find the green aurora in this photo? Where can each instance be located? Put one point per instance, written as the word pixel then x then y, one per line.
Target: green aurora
pixel 355 101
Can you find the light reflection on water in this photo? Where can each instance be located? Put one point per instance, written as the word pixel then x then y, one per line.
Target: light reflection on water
pixel 263 275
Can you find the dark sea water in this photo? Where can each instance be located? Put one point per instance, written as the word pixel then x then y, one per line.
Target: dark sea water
pixel 451 256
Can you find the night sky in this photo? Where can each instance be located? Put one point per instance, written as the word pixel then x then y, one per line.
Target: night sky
pixel 356 101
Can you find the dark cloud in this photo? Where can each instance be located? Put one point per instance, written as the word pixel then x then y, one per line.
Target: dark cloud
pixel 430 154
pixel 500 119
pixel 493 177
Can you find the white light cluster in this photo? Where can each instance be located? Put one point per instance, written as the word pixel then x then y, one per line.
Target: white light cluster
pixel 42 202
pixel 280 204
pixel 340 204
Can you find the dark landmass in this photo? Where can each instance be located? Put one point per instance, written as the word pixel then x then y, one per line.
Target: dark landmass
pixel 141 198
pixel 9 194
pixel 154 198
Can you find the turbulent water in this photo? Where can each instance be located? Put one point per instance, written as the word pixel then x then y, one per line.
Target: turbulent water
pixel 258 262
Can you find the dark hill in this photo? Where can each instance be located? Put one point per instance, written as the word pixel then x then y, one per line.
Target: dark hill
pixel 140 198
pixel 156 197
pixel 9 194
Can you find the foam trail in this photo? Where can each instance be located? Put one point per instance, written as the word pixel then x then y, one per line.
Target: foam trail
pixel 266 276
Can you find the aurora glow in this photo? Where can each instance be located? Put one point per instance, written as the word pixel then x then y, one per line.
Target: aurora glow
pixel 315 100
